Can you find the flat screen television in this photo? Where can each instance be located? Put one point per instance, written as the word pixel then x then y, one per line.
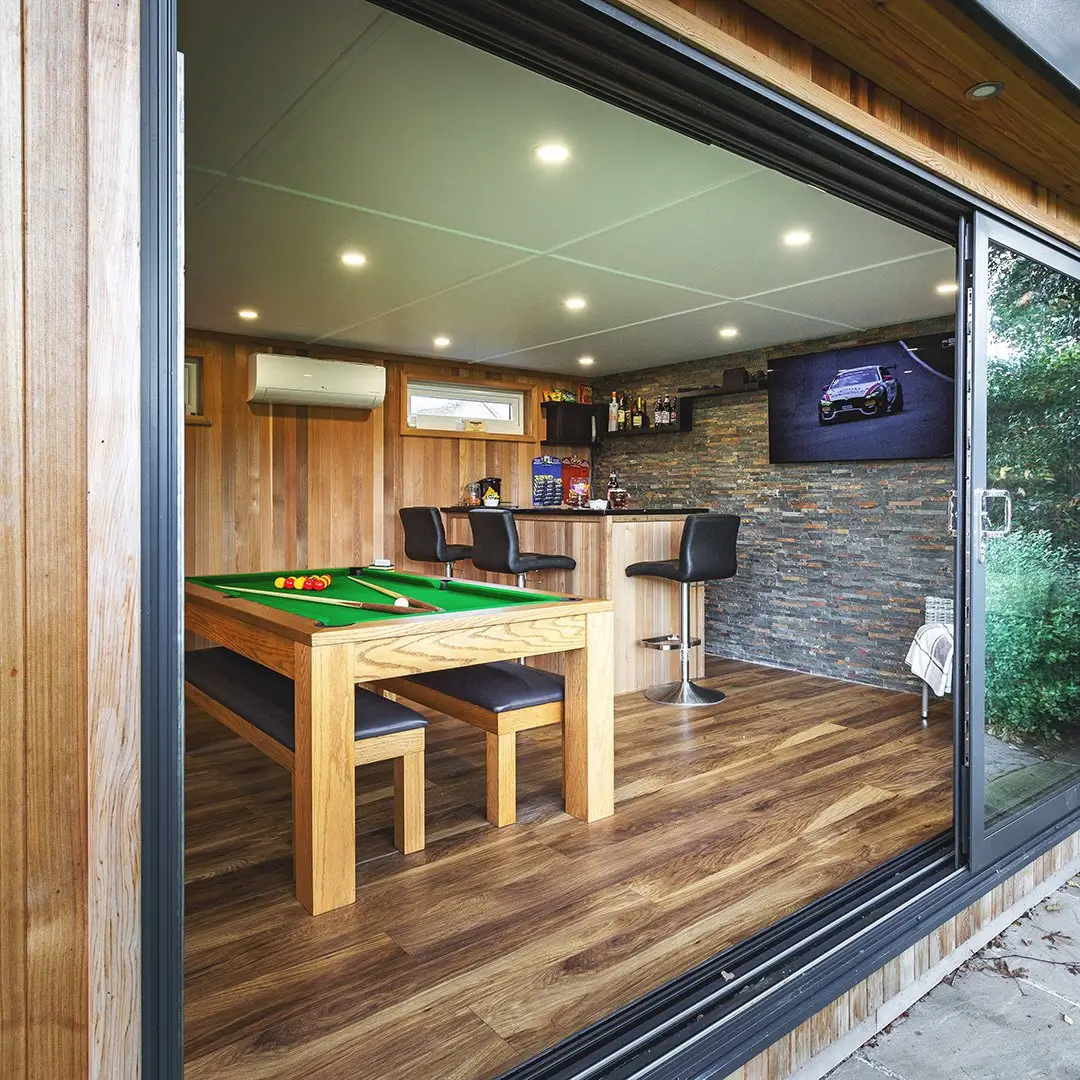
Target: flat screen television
pixel 891 400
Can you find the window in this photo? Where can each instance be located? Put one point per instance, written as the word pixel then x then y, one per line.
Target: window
pixel 465 407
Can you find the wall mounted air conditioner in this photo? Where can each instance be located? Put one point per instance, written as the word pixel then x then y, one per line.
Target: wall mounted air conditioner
pixel 298 380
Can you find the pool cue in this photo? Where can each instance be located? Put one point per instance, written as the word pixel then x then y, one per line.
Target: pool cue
pixel 419 605
pixel 292 594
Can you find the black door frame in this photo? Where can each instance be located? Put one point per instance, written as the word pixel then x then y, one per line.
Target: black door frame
pixel 613 55
pixel 989 845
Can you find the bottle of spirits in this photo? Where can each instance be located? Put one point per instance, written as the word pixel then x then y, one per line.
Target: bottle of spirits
pixel 657 410
pixel 612 483
pixel 673 412
pixel 636 416
pixel 622 412
pixel 613 413
pixel 665 405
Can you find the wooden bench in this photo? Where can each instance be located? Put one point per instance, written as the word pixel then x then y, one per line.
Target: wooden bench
pixel 502 699
pixel 257 704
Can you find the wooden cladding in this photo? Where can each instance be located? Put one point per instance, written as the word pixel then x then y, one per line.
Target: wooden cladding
pixel 286 486
pixel 69 539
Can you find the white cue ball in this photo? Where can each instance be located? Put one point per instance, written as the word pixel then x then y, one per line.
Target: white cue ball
pixel 401 602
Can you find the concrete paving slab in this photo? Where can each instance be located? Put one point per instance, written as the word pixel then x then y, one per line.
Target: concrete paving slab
pixel 999 1017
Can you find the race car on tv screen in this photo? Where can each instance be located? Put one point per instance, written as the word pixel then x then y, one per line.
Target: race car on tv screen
pixel 861 391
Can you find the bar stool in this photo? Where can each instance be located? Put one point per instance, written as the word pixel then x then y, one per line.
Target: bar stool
pixel 425 538
pixel 495 547
pixel 707 552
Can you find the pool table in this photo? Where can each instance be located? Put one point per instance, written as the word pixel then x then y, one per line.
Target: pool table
pixel 327 649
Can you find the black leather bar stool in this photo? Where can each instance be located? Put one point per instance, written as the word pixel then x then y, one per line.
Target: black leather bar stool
pixel 425 538
pixel 495 547
pixel 707 552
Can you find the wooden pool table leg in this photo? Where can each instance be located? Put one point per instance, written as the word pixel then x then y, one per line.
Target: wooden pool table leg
pixel 324 792
pixel 502 777
pixel 589 723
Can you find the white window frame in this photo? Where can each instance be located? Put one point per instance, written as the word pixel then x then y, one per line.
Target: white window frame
pixel 465 392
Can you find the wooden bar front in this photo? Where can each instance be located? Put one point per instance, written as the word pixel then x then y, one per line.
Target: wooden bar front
pixel 604 545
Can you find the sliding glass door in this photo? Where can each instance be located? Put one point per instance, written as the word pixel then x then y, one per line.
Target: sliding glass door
pixel 1023 550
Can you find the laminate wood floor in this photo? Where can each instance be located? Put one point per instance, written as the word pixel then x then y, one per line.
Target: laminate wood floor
pixel 490 945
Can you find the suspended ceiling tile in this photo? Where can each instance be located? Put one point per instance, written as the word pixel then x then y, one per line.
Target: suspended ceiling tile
pixel 436 130
pixel 730 240
pixel 281 255
pixel 521 307
pixel 690 336
pixel 247 61
pixel 900 292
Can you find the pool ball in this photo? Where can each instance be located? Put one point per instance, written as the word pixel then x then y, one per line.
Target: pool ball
pixel 309 584
pixel 288 583
pixel 319 585
pixel 298 582
pixel 279 583
pixel 401 602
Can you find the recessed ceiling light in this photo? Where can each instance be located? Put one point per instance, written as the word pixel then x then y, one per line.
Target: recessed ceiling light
pixel 729 331
pixel 552 153
pixel 441 342
pixel 586 360
pixel 353 258
pixel 248 313
pixel 983 90
pixel 797 238
pixel 947 287
pixel 575 303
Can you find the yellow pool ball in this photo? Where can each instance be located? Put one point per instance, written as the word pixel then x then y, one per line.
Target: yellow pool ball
pixel 298 583
pixel 279 583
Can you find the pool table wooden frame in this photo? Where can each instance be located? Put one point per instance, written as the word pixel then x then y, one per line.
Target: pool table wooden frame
pixel 326 662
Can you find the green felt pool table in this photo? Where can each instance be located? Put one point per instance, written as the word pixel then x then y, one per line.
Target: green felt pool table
pixel 327 649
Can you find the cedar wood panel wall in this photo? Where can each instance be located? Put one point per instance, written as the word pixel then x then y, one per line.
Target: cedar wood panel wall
pixel 69 539
pixel 271 487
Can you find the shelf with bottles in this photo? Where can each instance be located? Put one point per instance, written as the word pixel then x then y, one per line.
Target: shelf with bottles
pixel 638 415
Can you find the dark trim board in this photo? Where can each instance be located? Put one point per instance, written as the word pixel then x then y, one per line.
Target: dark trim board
pixel 162 779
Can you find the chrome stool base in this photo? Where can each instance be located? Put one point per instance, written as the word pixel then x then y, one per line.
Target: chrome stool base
pixel 684 694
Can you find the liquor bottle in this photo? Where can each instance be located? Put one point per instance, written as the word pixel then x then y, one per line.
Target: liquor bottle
pixel 622 412
pixel 639 413
pixel 664 411
pixel 612 483
pixel 613 413
pixel 673 413
pixel 657 411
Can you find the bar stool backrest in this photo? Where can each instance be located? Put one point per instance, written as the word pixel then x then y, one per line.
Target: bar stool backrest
pixel 495 541
pixel 425 537
pixel 707 551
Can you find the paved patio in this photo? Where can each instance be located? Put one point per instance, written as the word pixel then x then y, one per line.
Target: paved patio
pixel 1012 1012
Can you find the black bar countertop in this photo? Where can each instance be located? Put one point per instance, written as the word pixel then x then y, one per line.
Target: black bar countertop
pixel 545 511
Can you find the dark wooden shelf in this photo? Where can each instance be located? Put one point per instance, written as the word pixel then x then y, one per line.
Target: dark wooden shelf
pixel 665 429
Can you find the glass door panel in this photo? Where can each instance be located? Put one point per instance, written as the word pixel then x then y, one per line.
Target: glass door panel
pixel 1024 539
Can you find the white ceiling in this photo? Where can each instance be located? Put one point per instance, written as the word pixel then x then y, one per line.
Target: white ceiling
pixel 323 126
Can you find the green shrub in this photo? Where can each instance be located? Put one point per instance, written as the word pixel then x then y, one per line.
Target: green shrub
pixel 1032 637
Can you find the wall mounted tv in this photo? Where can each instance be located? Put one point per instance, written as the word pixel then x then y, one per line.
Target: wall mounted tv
pixel 890 400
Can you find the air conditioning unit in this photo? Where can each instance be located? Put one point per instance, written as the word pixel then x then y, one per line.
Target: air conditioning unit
pixel 299 380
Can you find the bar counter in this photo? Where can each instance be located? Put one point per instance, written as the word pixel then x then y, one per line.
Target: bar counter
pixel 604 543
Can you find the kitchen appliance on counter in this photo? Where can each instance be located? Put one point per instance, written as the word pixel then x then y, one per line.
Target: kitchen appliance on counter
pixel 491 490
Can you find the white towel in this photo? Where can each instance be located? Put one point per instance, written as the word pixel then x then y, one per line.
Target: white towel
pixel 931 656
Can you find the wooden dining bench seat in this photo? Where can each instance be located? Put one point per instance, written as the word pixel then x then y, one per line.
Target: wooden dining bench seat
pixel 258 705
pixel 502 698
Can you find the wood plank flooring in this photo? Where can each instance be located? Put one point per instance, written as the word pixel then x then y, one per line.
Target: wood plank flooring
pixel 491 944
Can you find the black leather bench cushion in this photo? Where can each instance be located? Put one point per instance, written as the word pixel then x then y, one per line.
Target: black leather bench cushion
pixel 499 687
pixel 265 699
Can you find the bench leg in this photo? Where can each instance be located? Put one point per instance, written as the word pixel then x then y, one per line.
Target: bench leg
pixel 502 778
pixel 409 802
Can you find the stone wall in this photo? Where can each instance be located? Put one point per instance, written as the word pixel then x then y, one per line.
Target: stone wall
pixel 834 559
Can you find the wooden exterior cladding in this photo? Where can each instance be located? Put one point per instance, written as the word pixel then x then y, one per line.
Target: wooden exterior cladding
pixel 69 540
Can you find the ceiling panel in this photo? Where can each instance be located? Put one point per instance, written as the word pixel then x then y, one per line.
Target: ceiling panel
pixel 880 296
pixel 690 336
pixel 522 307
pixel 281 255
pixel 729 240
pixel 436 130
pixel 247 61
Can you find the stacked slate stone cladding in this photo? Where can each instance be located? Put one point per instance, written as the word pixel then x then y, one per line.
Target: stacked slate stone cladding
pixel 834 559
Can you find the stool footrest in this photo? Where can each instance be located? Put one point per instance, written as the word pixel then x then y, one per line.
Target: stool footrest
pixel 668 642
